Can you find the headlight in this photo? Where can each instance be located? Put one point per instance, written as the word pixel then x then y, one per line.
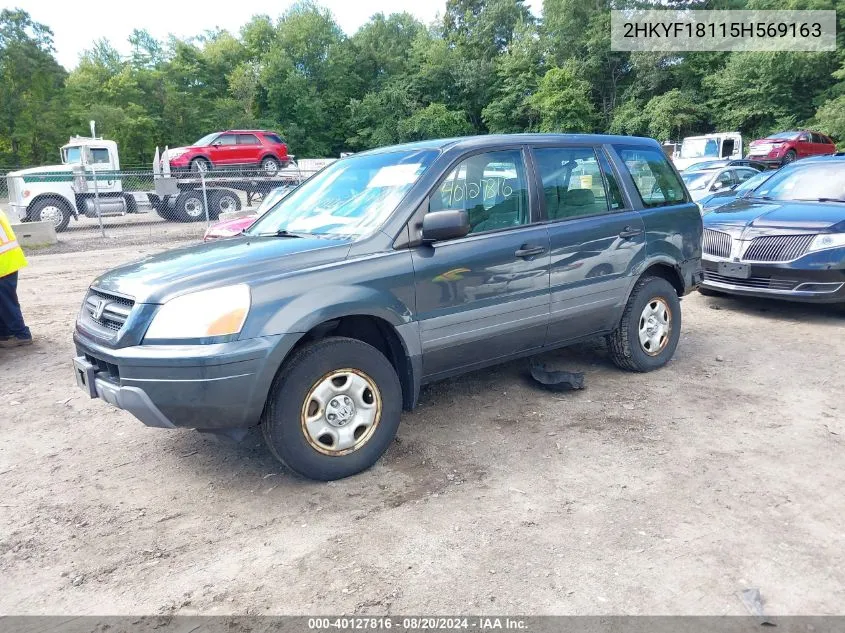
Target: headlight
pixel 826 240
pixel 200 315
pixel 175 153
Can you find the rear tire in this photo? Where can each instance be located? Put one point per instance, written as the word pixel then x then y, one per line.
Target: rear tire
pixel 189 206
pixel 649 329
pixel 302 424
pixel 270 165
pixel 51 210
pixel 223 201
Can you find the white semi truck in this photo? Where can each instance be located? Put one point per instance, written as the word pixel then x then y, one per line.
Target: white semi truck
pixel 696 149
pixel 89 182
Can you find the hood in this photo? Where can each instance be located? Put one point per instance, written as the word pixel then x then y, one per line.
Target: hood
pixel 160 277
pixel 766 214
pixel 45 169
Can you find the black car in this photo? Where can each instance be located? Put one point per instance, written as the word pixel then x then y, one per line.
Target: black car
pixel 786 241
pixel 390 269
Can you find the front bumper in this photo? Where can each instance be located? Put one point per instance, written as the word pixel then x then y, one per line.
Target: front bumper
pixel 790 282
pixel 772 159
pixel 18 212
pixel 207 387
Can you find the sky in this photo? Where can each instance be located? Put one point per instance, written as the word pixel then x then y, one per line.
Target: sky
pixel 76 25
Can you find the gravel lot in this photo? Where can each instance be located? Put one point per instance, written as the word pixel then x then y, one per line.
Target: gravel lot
pixel 665 493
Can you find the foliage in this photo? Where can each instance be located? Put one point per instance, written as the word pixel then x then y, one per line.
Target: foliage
pixel 483 66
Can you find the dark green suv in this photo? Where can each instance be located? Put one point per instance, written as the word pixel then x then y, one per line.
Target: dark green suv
pixel 390 269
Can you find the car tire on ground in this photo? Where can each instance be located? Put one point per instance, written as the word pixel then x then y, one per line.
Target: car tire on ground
pixel 223 201
pixel 789 157
pixel 333 409
pixel 270 165
pixel 650 327
pixel 189 206
pixel 51 210
pixel 200 165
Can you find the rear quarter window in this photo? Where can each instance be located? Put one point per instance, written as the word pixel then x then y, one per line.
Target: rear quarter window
pixel 653 176
pixel 274 138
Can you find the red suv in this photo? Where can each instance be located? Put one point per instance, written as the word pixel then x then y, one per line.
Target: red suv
pixel 233 148
pixel 785 147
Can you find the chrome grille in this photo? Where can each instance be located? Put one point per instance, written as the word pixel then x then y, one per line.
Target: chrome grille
pixel 762 283
pixel 777 248
pixel 716 243
pixel 107 310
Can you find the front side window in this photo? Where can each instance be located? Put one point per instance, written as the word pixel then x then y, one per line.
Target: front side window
pixel 351 197
pixel 490 187
pixel 99 156
pixel 573 186
pixel 225 139
pixel 744 174
pixel 653 176
pixel 724 180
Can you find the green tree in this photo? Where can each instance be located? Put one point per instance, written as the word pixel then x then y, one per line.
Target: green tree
pixel 673 113
pixel 562 102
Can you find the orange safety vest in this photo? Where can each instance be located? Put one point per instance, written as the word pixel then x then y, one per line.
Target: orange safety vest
pixel 11 254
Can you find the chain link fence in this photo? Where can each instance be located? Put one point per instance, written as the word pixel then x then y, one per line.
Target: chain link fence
pixel 93 208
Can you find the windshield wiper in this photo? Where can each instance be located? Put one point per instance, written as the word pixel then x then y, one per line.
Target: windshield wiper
pixel 282 233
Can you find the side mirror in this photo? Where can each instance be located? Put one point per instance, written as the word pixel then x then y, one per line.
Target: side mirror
pixel 444 225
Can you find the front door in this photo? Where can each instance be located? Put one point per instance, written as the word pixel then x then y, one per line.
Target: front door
pixel 484 296
pixel 224 150
pixel 595 241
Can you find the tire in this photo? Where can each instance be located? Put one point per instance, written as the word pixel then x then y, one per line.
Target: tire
pixel 200 165
pixel 189 206
pixel 327 457
pixel 270 165
pixel 652 297
pixel 222 201
pixel 165 208
pixel 51 210
pixel 789 157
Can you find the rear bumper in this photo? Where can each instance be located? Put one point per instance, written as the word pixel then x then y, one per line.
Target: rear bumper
pixel 219 386
pixel 781 281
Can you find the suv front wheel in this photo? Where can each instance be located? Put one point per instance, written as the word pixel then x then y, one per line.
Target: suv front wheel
pixel 333 410
pixel 650 327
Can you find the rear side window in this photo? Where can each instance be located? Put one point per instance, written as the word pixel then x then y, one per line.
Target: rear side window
pixel 274 138
pixel 573 186
pixel 490 187
pixel 247 139
pixel 653 176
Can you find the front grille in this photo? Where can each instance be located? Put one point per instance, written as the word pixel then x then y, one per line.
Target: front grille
pixel 107 310
pixel 716 243
pixel 777 248
pixel 11 184
pixel 110 371
pixel 759 283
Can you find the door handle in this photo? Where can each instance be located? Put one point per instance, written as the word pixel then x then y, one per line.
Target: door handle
pixel 630 231
pixel 528 250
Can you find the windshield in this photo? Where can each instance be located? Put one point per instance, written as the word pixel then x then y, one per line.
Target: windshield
pixel 754 181
pixel 787 136
pixel 696 180
pixel 352 196
pixel 206 140
pixel 699 148
pixel 72 155
pixel 806 182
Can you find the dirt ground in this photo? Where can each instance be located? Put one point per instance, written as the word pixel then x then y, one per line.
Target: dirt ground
pixel 664 493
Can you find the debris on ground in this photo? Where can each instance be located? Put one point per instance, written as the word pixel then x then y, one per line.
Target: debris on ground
pixel 753 601
pixel 557 380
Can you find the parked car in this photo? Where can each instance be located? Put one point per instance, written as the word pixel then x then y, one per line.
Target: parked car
pixel 236 226
pixel 785 147
pixel 742 190
pixel 233 149
pixel 786 241
pixel 703 183
pixel 390 269
pixel 724 162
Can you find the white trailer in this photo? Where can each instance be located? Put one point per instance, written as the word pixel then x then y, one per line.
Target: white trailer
pixel 696 149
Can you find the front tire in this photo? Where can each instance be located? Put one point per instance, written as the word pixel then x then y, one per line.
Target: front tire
pixel 650 327
pixel 333 409
pixel 200 165
pixel 789 157
pixel 51 210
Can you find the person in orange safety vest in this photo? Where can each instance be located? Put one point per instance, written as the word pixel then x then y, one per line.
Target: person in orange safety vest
pixel 13 330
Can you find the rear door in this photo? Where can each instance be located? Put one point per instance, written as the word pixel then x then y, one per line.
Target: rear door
pixel 822 145
pixel 249 149
pixel 223 150
pixel 596 240
pixel 485 296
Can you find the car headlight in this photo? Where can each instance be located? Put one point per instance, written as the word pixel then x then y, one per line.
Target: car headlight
pixel 176 153
pixel 201 315
pixel 826 240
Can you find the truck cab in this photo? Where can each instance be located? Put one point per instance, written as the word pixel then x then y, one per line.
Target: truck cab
pixel 695 149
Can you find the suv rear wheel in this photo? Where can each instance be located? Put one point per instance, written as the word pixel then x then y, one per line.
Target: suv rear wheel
pixel 270 165
pixel 650 327
pixel 333 410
